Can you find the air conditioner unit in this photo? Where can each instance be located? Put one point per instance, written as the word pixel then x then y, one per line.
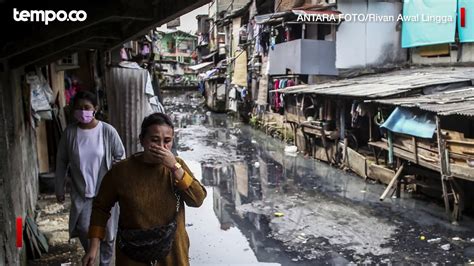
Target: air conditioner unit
pixel 68 62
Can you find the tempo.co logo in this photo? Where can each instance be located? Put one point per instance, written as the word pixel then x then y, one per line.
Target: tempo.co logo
pixel 47 16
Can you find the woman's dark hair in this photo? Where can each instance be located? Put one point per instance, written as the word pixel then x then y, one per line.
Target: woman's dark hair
pixel 85 95
pixel 155 119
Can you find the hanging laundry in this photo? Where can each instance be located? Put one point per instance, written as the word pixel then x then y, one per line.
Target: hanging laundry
pixel 265 39
pixel 276 86
pixel 274 35
pixel 355 116
pixel 362 109
pixel 145 49
pixel 256 36
pixel 201 87
pixel 243 93
pixel 233 99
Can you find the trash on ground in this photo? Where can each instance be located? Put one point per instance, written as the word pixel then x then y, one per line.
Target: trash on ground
pixel 53 208
pixel 291 149
pixel 434 240
pixel 446 247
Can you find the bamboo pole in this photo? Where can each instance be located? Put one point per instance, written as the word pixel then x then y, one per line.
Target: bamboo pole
pixel 442 165
pixel 392 182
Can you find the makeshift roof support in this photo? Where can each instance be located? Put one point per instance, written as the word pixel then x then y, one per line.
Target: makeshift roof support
pixel 443 166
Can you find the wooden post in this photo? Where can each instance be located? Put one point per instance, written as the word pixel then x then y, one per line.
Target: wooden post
pixel 390 147
pixel 345 153
pixel 295 131
pixel 392 182
pixel 415 149
pixel 459 199
pixel 442 165
pixel 370 127
pixel 323 137
pixel 376 155
pixel 342 121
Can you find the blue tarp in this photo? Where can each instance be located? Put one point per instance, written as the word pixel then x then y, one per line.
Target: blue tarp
pixel 404 121
pixel 417 30
pixel 466 33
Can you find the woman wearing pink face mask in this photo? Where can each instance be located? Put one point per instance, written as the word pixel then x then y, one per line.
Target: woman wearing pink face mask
pixel 88 149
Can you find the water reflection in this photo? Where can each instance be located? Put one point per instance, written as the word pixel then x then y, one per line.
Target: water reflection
pixel 246 170
pixel 256 172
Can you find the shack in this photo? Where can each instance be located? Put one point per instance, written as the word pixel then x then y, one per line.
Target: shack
pixel 434 132
pixel 339 122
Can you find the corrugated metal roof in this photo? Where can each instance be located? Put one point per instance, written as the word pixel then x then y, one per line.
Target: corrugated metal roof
pixel 453 102
pixel 199 66
pixel 386 84
pixel 261 19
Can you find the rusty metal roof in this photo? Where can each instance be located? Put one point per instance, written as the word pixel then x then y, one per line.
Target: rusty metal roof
pixel 453 102
pixel 387 84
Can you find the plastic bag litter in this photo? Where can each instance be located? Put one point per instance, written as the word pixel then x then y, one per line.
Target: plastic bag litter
pixel 41 96
pixel 446 247
pixel 434 240
pixel 291 150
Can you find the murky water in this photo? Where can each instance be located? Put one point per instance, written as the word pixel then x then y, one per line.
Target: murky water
pixel 267 207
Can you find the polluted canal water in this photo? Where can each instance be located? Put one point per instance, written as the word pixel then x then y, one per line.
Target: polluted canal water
pixel 267 208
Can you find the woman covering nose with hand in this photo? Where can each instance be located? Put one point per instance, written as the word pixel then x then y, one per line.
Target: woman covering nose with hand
pixel 88 148
pixel 151 188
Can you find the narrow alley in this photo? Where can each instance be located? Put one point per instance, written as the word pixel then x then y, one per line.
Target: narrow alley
pixel 318 132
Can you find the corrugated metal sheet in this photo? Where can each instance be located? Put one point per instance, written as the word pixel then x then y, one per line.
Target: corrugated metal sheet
pixel 411 122
pixel 386 84
pixel 452 102
pixel 202 65
pixel 128 105
pixel 265 18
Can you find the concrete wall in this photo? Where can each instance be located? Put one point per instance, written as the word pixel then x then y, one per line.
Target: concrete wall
pixel 369 44
pixel 303 56
pixel 18 166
